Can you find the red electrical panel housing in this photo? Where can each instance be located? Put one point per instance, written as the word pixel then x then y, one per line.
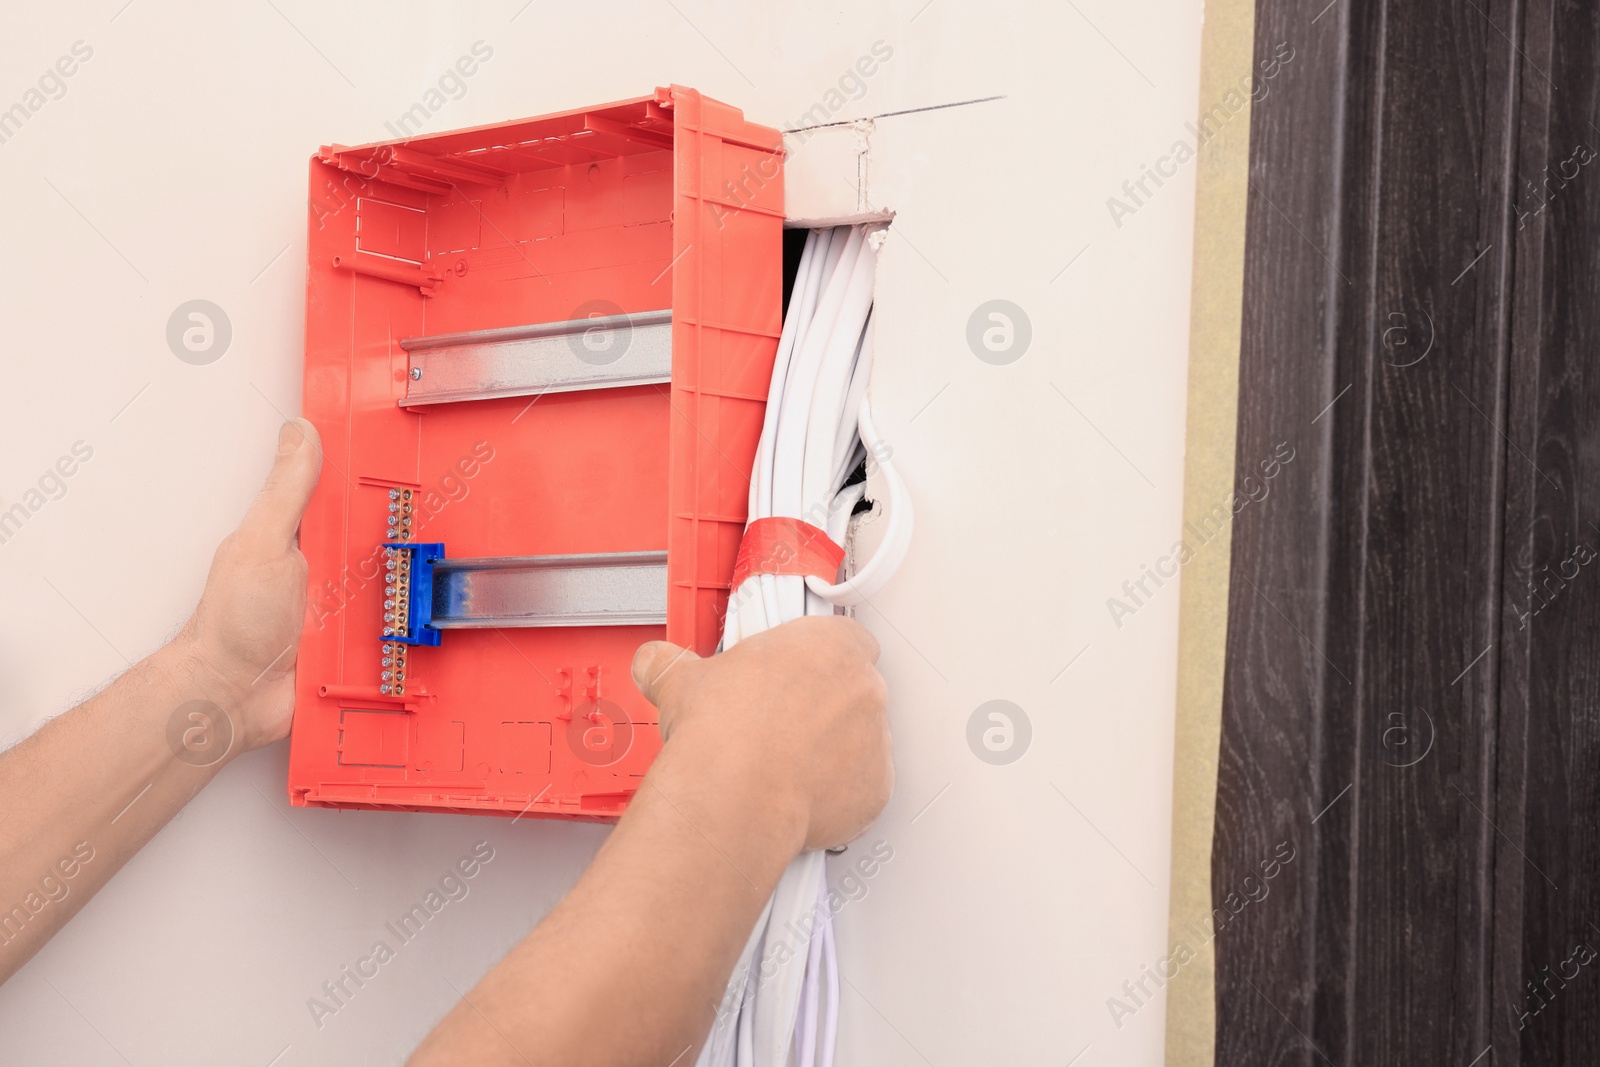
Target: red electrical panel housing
pixel 458 385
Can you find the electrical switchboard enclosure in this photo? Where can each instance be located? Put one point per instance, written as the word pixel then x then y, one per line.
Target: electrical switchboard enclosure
pixel 538 355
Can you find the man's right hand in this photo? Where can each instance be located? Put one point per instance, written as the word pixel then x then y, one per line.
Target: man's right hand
pixel 774 747
pixel 791 720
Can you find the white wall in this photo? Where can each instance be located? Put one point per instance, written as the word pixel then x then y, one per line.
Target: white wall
pixel 1020 897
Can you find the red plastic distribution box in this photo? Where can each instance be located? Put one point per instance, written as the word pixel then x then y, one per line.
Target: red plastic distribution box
pixel 538 355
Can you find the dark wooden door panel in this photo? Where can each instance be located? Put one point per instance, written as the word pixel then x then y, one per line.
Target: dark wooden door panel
pixel 1421 316
pixel 1547 985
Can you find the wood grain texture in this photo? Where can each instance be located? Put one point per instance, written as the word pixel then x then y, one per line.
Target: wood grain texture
pixel 1550 686
pixel 1411 696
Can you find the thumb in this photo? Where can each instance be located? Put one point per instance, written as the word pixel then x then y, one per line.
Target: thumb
pixel 657 666
pixel 275 515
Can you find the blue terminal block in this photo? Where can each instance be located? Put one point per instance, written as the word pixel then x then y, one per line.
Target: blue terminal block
pixel 409 621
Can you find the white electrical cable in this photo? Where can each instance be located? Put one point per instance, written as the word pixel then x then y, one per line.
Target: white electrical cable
pixel 816 431
pixel 891 550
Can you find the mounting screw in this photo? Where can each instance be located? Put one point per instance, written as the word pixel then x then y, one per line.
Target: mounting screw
pixel 416 374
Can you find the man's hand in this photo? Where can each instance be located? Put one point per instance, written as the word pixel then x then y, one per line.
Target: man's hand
pixel 246 632
pixel 131 741
pixel 778 745
pixel 791 720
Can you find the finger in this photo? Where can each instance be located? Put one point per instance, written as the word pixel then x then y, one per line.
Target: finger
pixel 275 515
pixel 863 638
pixel 657 666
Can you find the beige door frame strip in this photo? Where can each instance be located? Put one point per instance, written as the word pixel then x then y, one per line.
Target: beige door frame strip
pixel 1223 158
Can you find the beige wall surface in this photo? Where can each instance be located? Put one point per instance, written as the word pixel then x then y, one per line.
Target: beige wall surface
pixel 1029 885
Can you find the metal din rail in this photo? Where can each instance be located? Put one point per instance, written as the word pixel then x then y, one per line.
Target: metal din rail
pixel 604 352
pixel 595 589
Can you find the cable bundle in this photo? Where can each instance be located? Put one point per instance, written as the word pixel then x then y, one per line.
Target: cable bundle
pixel 809 448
